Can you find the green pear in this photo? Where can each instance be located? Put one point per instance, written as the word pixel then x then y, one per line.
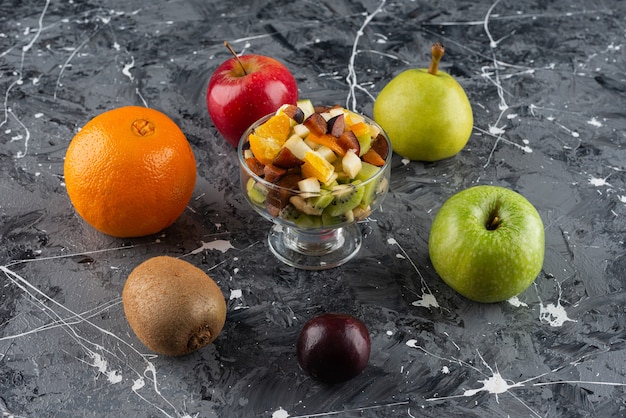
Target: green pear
pixel 425 112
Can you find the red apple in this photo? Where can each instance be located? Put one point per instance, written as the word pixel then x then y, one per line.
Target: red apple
pixel 244 89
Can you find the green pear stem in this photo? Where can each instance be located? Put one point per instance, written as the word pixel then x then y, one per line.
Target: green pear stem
pixel 437 51
pixel 232 51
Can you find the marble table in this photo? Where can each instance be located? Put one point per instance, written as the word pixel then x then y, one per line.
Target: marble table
pixel 548 89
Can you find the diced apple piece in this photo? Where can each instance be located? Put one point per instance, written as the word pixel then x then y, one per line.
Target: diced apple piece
pixel 301 130
pixel 312 144
pixel 306 106
pixel 351 164
pixel 336 111
pixel 327 153
pixel 317 166
pixel 297 146
pixel 309 186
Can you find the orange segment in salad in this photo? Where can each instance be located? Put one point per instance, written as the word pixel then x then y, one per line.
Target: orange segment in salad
pixel 277 127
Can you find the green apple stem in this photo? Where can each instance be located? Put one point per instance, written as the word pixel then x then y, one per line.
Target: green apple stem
pixel 437 51
pixel 232 51
pixel 494 221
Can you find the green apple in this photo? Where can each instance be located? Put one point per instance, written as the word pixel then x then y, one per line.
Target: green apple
pixel 487 243
pixel 425 112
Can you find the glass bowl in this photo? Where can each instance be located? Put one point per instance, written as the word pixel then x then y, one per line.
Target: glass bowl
pixel 314 229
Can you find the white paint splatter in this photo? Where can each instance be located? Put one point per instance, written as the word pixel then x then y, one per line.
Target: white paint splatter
pixel 235 294
pixel 494 385
pixel 128 67
pixel 516 302
pixel 445 370
pixel 113 376
pixel 555 315
pixel 427 301
pixel 598 182
pixel 280 413
pixel 494 130
pixel 219 244
pixel 594 122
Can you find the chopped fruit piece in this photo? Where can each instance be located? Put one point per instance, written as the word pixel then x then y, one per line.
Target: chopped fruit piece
pixel 286 159
pixel 256 192
pixel 324 199
pixel 279 196
pixel 328 141
pixel 381 146
pixel 254 165
pixel 264 149
pixel 336 111
pixel 353 118
pixel 349 141
pixel 371 188
pixel 336 125
pixel 306 106
pixel 347 197
pixel 273 173
pixel 297 146
pixel 351 164
pixel 327 153
pixel 324 163
pixel 294 112
pixel 316 124
pixel 316 166
pixel 301 130
pixel 360 129
pixel 309 186
pixel 303 206
pixel 361 213
pixel 277 127
pixel 373 157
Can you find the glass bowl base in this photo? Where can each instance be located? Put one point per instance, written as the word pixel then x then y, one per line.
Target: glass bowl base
pixel 315 249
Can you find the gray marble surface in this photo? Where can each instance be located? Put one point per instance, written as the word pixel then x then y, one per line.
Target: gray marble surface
pixel 548 88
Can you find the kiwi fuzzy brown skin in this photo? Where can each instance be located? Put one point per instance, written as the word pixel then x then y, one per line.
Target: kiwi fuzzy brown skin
pixel 173 307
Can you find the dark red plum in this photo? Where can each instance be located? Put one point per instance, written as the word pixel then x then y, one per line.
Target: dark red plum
pixel 333 347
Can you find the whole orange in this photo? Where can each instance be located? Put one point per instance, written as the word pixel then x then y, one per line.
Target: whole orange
pixel 130 172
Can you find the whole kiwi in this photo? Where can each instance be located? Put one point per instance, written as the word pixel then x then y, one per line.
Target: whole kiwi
pixel 173 307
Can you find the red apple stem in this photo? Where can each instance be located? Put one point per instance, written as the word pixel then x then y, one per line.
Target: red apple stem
pixel 437 51
pixel 232 51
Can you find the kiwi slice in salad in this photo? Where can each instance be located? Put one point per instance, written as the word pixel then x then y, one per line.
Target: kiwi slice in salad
pixel 300 219
pixel 329 220
pixel 347 197
pixel 256 192
pixel 370 189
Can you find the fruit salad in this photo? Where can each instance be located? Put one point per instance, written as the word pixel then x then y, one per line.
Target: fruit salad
pixel 314 167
